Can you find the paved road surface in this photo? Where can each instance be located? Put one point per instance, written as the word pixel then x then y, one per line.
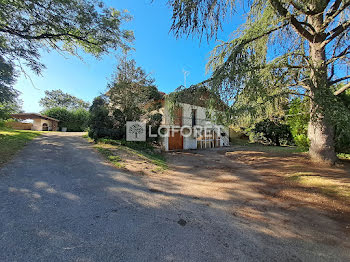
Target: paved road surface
pixel 60 202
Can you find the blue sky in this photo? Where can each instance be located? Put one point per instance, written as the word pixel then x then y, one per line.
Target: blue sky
pixel 156 50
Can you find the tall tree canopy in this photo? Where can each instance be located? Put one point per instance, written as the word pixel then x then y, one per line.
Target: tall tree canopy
pixel 9 102
pixel 7 79
pixel 28 26
pixel 57 98
pixel 284 48
pixel 132 92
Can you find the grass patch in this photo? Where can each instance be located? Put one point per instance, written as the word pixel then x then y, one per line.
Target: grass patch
pixel 11 141
pixel 86 136
pixel 344 156
pixel 143 150
pixel 266 148
pixel 327 186
pixel 108 154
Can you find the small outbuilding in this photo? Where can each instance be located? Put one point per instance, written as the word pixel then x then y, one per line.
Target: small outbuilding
pixel 40 122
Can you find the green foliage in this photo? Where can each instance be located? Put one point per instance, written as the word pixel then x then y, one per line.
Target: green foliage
pixel 342 128
pixel 273 132
pixel 57 98
pixel 199 95
pixel 7 80
pixel 80 120
pixel 274 54
pixel 130 96
pixel 100 122
pixel 9 102
pixel 73 120
pixel 6 109
pixel 302 141
pixel 132 92
pixel 199 17
pixel 107 153
pixel 144 150
pixel 154 122
pixel 62 114
pixel 28 26
pixel 298 120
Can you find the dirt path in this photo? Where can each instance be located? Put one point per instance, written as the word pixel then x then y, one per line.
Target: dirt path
pixel 251 196
pixel 61 202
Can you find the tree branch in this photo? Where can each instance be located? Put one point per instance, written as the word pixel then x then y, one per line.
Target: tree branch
pixel 295 23
pixel 339 80
pixel 336 31
pixel 334 8
pixel 342 54
pixel 343 89
pixel 334 12
pixel 301 8
pixel 46 36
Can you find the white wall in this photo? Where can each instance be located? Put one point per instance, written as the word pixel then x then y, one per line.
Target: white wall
pixel 201 120
pixel 38 124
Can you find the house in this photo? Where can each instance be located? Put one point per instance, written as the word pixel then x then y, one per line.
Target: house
pixel 40 122
pixel 190 125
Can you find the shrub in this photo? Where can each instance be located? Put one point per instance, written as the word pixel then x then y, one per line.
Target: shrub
pixel 273 132
pixel 101 123
pixel 79 120
pixel 298 120
pixel 301 141
pixel 73 120
pixel 154 122
pixel 97 133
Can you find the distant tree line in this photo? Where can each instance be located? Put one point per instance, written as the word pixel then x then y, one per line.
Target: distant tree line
pixel 71 111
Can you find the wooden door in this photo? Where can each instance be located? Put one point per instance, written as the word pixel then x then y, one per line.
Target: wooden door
pixel 176 141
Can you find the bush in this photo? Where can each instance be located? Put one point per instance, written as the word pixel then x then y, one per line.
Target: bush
pixel 301 141
pixel 273 132
pixel 79 121
pixel 342 140
pixel 74 120
pixel 298 120
pixel 97 133
pixel 101 123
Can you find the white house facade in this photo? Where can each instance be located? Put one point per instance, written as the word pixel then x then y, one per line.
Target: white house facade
pixel 189 127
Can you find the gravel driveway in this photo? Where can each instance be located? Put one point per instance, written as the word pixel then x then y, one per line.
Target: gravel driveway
pixel 59 201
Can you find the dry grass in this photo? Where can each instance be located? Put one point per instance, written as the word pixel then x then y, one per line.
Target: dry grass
pixel 140 159
pixel 296 178
pixel 329 186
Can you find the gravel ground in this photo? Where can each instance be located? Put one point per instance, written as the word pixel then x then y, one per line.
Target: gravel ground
pixel 61 202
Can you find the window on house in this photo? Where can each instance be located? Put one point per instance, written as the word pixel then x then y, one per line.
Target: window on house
pixel 194 112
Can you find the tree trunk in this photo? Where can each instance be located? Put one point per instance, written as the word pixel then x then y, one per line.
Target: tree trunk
pixel 321 136
pixel 321 130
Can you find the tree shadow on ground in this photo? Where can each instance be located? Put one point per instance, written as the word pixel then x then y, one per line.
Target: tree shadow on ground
pixel 61 201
